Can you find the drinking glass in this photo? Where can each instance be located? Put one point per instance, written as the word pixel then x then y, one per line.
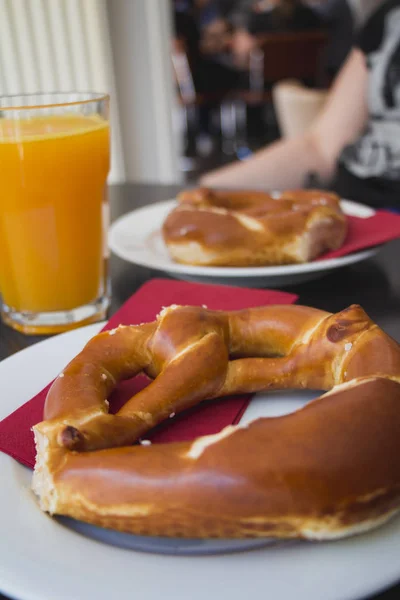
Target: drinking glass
pixel 54 161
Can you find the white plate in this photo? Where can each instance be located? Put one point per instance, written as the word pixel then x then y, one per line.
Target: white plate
pixel 136 237
pixel 41 559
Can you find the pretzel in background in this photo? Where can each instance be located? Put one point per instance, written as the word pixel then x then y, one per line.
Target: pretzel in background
pixel 250 228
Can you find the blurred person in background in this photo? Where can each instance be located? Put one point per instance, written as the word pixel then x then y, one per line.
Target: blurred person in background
pixel 247 19
pixel 209 74
pixel 353 146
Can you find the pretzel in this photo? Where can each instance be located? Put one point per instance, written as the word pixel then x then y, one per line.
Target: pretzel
pixel 329 470
pixel 253 228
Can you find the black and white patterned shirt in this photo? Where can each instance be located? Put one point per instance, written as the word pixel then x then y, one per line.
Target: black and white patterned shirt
pixel 374 159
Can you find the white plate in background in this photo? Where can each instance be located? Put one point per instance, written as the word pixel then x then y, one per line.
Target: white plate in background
pixel 136 237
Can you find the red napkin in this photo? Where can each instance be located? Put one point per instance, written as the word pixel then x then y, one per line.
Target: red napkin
pixel 382 227
pixel 16 438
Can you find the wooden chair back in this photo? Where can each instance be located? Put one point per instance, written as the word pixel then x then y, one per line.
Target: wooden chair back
pixel 293 55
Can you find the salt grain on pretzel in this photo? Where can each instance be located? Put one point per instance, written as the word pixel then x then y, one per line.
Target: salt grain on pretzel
pixel 328 470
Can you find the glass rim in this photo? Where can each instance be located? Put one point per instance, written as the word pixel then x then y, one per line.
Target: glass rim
pixel 94 97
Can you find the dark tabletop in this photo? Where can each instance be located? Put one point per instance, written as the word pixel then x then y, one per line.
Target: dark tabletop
pixel 375 284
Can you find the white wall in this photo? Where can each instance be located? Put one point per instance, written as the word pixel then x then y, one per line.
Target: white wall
pixel 140 37
pixel 59 45
pixel 116 46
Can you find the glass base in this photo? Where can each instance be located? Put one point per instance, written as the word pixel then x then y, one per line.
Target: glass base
pixel 48 323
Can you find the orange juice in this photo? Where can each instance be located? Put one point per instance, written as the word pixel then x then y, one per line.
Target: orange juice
pixel 53 172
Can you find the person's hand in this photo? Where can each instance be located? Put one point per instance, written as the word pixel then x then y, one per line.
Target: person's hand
pixel 242 43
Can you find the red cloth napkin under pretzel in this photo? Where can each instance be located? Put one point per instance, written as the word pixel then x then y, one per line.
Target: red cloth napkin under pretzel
pixel 382 227
pixel 16 438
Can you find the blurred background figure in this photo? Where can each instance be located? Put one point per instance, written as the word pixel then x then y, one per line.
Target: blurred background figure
pixel 204 36
pixel 248 18
pixel 203 68
pixel 229 55
pixel 353 145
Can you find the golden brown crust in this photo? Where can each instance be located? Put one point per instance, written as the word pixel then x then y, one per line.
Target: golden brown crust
pixel 246 228
pixel 328 470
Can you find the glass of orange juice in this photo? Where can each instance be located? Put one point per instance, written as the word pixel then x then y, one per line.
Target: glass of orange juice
pixel 54 161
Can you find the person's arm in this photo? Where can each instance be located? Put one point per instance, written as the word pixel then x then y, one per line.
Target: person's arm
pixel 286 163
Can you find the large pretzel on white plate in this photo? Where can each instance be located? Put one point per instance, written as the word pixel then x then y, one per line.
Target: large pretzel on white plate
pixel 328 470
pixel 248 228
